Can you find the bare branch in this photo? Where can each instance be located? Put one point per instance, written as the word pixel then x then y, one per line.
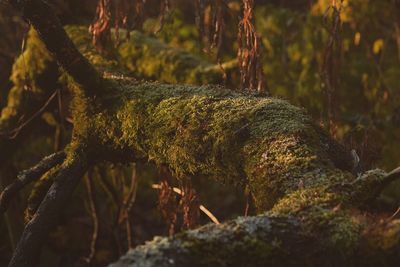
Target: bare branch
pixel 14 133
pixel 28 176
pixel 93 212
pixel 36 231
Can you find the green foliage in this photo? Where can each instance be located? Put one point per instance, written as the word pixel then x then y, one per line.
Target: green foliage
pixel 151 59
pixel 368 93
pixel 34 77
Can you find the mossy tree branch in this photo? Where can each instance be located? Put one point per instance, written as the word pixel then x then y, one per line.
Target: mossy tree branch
pixel 272 241
pixel 295 172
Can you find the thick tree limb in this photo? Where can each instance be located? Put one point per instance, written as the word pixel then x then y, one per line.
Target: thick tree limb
pixel 28 176
pixel 266 241
pixel 36 231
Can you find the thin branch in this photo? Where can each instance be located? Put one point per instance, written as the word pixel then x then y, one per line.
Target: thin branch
pixel 28 176
pixel 93 212
pixel 128 204
pixel 36 231
pixel 14 133
pixel 395 214
pixel 131 196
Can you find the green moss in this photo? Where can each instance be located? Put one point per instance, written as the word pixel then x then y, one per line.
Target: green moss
pixel 248 241
pixel 339 229
pixel 324 212
pixel 303 199
pixel 264 143
pixel 367 187
pixel 263 240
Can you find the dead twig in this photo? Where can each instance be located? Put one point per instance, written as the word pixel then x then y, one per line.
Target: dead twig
pixel 93 212
pixel 395 214
pixel 14 133
pixel 128 204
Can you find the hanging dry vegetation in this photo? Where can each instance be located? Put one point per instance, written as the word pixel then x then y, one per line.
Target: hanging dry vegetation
pixel 331 62
pixel 249 53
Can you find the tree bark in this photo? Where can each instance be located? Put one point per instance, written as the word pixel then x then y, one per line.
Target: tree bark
pixel 270 241
pixel 36 231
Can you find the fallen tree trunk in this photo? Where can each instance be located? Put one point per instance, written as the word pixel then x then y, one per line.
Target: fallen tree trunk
pixel 316 209
pixel 273 241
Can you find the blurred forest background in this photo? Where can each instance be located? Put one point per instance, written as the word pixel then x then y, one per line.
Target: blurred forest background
pixel 302 44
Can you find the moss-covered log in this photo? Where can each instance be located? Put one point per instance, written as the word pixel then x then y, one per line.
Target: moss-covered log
pixel 272 241
pixel 264 143
pixel 315 208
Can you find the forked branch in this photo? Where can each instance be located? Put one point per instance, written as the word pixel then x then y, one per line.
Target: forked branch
pixel 28 176
pixel 36 231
